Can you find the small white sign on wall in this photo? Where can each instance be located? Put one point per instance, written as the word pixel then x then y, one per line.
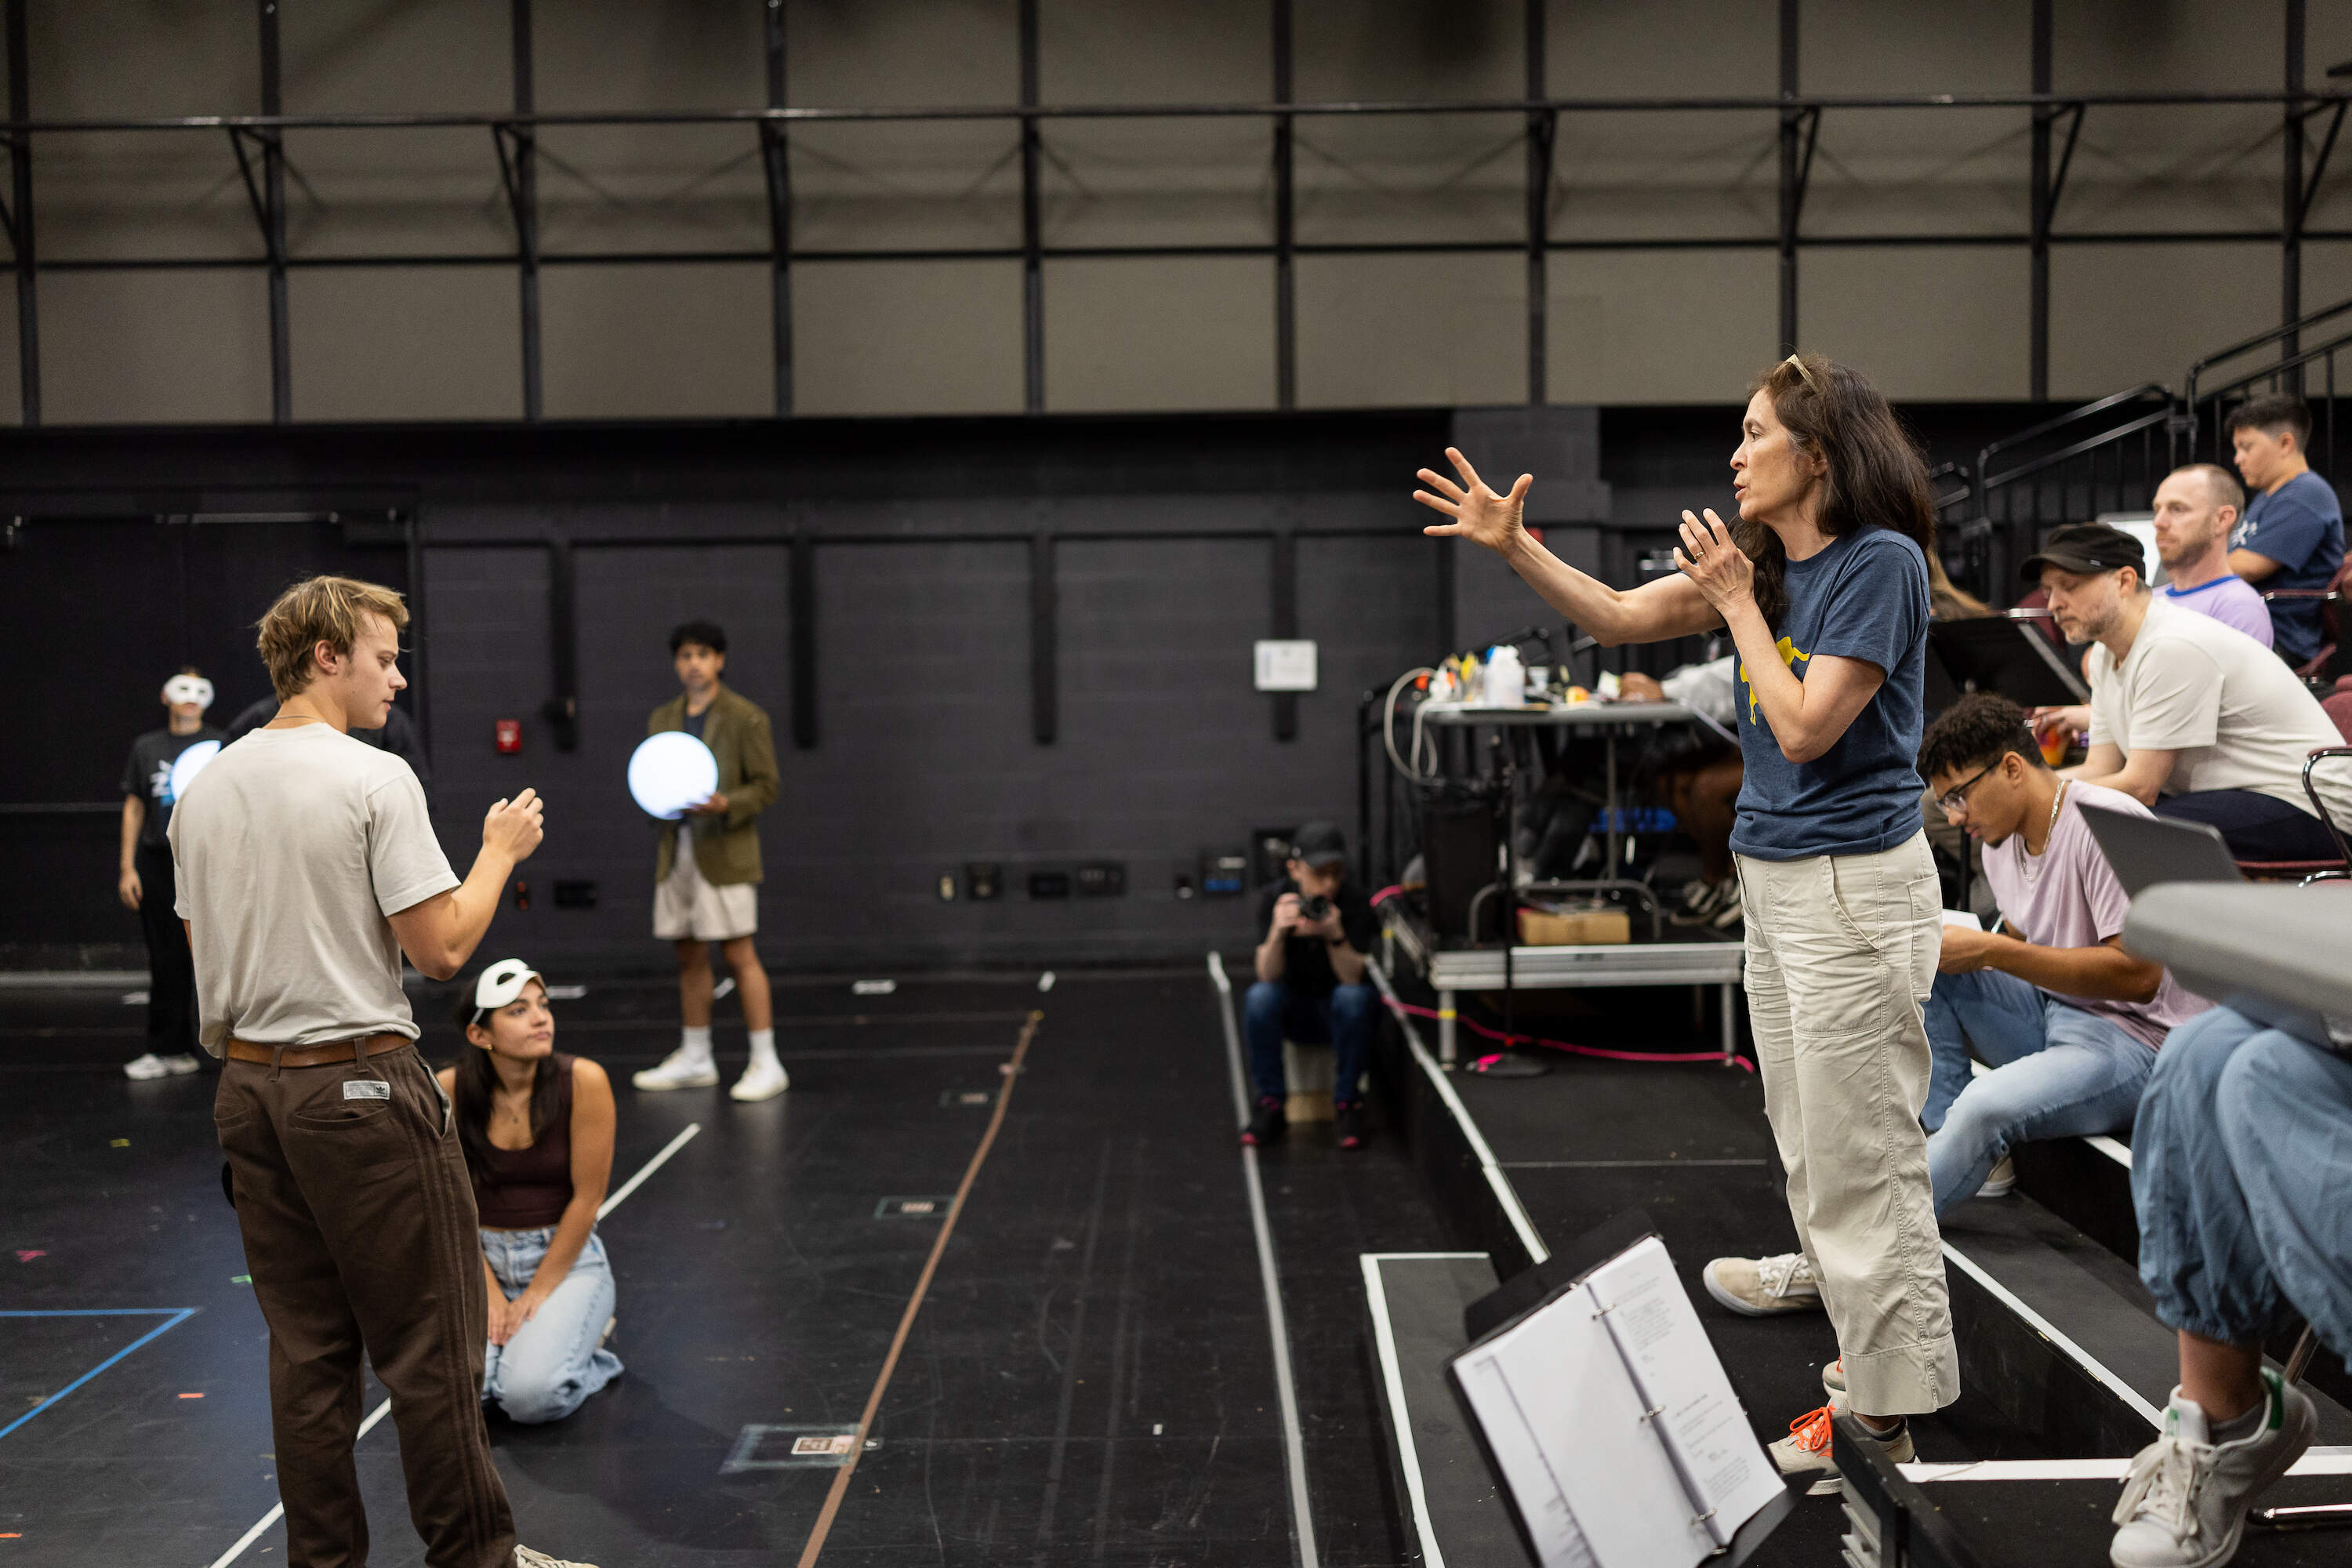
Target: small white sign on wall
pixel 1285 665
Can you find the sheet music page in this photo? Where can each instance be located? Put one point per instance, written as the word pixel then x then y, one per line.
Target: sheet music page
pixel 1556 1387
pixel 1676 1368
pixel 1512 1439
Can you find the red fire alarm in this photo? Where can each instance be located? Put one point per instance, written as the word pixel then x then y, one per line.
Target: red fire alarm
pixel 509 732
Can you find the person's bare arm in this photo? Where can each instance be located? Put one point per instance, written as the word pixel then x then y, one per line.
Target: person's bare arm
pixel 127 885
pixel 1809 716
pixel 2105 972
pixel 2252 565
pixel 1273 958
pixel 1670 607
pixel 592 1173
pixel 2141 775
pixel 440 934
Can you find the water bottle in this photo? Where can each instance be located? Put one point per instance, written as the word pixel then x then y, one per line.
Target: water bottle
pixel 1506 678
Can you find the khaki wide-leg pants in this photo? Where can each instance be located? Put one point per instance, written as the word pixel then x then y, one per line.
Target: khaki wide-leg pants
pixel 1840 955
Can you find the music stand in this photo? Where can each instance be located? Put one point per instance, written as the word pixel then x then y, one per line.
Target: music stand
pixel 2000 653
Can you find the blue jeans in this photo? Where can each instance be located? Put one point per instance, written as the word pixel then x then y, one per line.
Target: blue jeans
pixel 549 1367
pixel 2241 1174
pixel 1272 1013
pixel 2058 1072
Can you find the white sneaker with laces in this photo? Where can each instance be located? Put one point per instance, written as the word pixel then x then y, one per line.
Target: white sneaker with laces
pixel 151 1066
pixel 2184 1498
pixel 1764 1287
pixel 760 1080
pixel 524 1557
pixel 682 1069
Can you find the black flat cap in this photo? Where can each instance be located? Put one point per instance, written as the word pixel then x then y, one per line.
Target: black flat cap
pixel 2087 547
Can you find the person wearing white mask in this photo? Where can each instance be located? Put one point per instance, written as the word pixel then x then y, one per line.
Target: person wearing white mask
pixel 143 876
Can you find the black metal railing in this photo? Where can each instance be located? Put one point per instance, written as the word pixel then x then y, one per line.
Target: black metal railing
pixel 2109 455
pixel 2197 432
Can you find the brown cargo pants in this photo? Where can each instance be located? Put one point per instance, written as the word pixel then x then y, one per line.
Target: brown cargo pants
pixel 360 1235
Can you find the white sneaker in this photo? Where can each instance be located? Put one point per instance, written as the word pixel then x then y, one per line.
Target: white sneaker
pixel 681 1069
pixel 760 1080
pixel 1806 1450
pixel 2001 1181
pixel 525 1557
pixel 1764 1287
pixel 2184 1498
pixel 152 1066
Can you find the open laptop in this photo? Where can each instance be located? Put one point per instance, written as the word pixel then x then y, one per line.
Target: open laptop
pixel 2145 850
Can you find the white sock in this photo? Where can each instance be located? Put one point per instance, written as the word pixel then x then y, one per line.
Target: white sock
pixel 763 1049
pixel 696 1043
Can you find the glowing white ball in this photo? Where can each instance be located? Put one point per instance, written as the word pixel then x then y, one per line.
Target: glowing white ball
pixel 670 771
pixel 190 763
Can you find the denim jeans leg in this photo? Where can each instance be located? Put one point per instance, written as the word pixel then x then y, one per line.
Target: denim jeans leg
pixel 2086 1078
pixel 1998 1014
pixel 555 1361
pixel 1263 1010
pixel 2199 1255
pixel 2285 1111
pixel 1355 1013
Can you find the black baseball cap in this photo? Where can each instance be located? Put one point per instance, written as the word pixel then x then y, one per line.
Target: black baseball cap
pixel 1320 844
pixel 2087 547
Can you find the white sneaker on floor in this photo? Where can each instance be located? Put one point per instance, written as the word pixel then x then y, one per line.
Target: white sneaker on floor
pixel 760 1080
pixel 151 1066
pixel 2001 1180
pixel 525 1557
pixel 2184 1498
pixel 1764 1287
pixel 681 1069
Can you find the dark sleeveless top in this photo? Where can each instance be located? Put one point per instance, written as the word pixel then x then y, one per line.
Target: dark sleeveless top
pixel 524 1189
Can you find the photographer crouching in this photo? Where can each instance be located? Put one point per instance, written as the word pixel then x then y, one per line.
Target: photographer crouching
pixel 1315 927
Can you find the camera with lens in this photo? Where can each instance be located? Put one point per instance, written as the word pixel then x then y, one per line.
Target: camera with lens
pixel 1314 908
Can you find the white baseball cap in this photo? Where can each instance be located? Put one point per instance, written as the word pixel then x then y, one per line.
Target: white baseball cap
pixel 501 983
pixel 192 689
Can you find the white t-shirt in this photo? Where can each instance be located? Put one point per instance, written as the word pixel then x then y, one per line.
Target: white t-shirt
pixel 290 849
pixel 2230 708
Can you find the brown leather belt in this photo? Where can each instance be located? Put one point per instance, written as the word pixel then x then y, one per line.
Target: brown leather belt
pixel 317 1056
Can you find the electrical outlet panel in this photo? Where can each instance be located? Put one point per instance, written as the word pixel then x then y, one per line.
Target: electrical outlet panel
pixel 575 893
pixel 984 880
pixel 1049 884
pixel 1224 873
pixel 1102 879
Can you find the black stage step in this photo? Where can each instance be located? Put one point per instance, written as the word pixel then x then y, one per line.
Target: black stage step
pixel 2063 1358
pixel 1452 1513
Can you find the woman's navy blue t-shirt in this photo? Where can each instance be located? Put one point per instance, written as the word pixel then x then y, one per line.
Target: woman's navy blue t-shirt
pixel 1865 597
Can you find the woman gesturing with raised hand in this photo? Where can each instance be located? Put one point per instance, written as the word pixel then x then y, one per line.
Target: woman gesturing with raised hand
pixel 1822 584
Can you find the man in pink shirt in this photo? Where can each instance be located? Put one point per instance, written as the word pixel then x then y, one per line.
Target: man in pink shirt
pixel 2068 1021
pixel 2196 507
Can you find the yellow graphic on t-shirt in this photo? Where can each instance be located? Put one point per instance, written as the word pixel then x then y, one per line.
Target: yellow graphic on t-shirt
pixel 1790 654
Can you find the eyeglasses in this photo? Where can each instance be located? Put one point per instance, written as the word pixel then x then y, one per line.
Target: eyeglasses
pixel 1957 797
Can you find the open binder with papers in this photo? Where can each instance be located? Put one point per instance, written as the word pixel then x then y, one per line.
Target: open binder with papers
pixel 1607 1418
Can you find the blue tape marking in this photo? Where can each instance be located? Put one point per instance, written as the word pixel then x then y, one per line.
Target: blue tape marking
pixel 178 1315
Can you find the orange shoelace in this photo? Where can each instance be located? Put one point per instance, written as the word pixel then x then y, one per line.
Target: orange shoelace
pixel 1812 1430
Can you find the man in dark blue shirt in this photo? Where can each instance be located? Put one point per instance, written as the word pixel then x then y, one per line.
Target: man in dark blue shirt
pixel 2292 536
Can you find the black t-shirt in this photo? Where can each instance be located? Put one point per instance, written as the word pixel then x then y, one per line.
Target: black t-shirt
pixel 696 722
pixel 1306 965
pixel 148 776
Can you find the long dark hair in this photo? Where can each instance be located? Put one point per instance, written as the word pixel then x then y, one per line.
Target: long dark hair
pixel 1874 476
pixel 477 1081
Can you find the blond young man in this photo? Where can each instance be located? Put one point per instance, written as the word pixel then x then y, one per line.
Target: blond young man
pixel 306 866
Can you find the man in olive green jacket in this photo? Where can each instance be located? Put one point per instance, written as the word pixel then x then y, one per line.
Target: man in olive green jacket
pixel 706 888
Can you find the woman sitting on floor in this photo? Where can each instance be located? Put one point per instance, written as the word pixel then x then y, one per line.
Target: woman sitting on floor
pixel 537 1128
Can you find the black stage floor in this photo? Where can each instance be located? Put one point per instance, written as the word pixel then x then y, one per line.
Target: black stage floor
pixel 1090 1377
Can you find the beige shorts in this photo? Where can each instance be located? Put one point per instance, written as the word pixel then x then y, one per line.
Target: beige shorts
pixel 685 906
